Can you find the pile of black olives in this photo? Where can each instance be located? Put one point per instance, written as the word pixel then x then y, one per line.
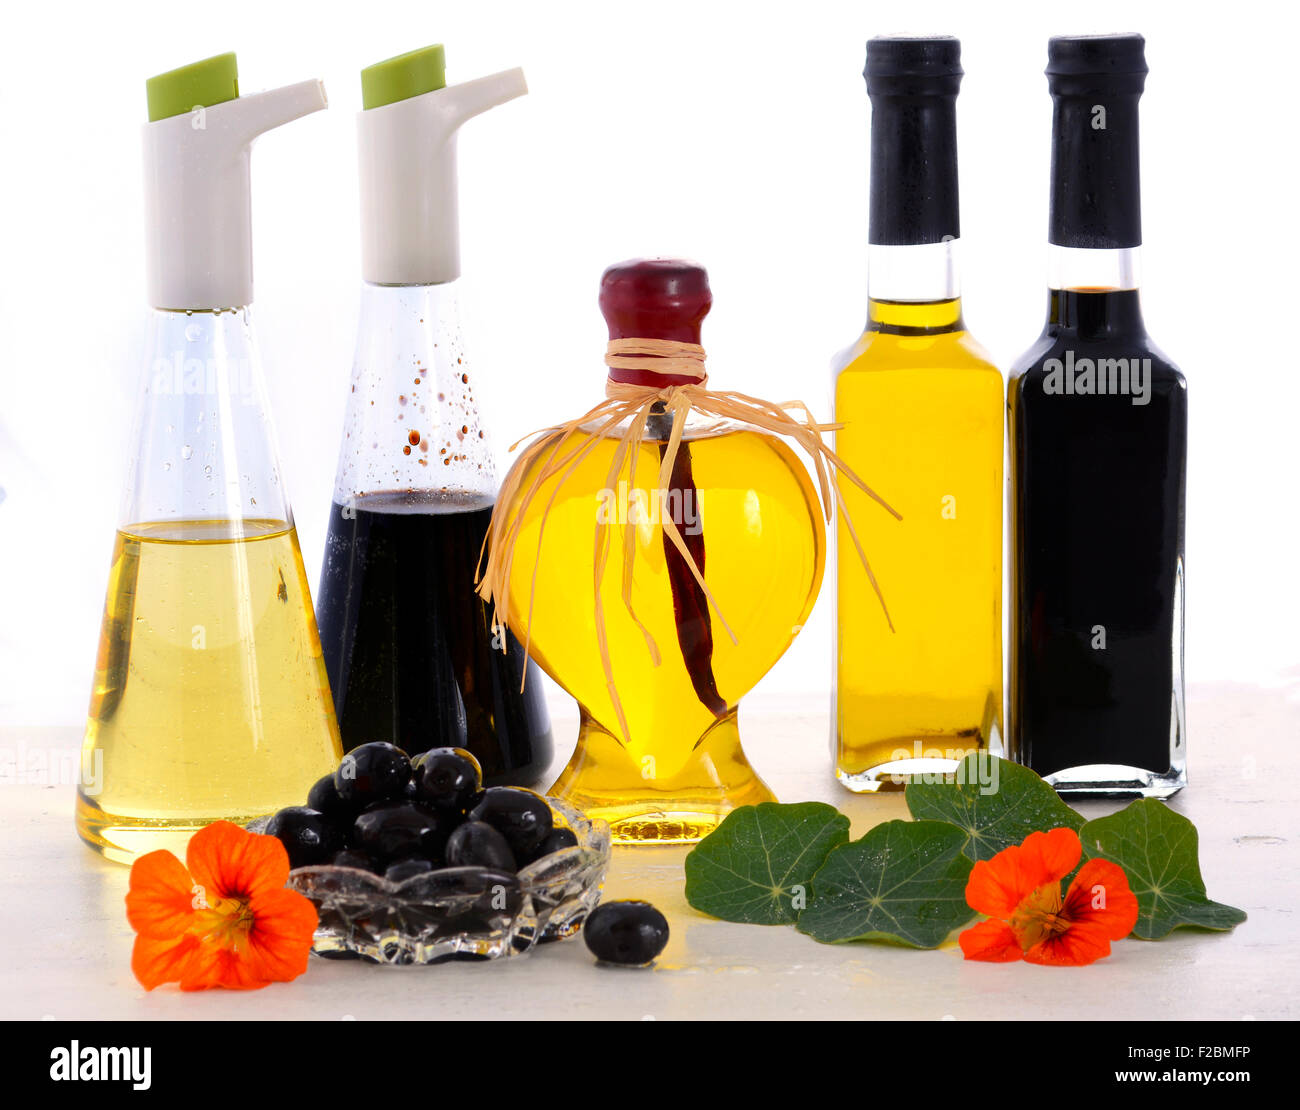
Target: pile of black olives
pixel 399 817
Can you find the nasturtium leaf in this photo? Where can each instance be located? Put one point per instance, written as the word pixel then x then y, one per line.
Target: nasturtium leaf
pixel 756 866
pixel 904 881
pixel 1157 848
pixel 996 802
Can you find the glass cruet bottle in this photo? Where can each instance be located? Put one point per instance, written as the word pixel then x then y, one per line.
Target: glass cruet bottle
pixel 210 699
pixel 919 407
pixel 1098 422
pixel 409 647
pixel 673 766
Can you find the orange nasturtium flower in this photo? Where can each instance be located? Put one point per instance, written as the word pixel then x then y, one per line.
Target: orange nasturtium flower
pixel 225 920
pixel 1020 891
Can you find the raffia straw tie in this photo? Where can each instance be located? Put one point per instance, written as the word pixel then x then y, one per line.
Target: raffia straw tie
pixel 647 376
pixel 658 356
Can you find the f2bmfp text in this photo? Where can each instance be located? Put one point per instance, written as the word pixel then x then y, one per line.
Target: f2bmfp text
pixel 1182 1052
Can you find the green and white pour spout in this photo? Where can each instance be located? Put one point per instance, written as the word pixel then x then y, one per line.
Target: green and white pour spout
pixel 406 145
pixel 197 146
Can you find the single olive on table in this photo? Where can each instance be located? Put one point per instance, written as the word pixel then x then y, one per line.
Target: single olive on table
pixel 626 932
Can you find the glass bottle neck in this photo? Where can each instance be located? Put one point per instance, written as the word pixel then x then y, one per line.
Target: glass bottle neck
pixel 405 332
pixel 204 444
pixel 915 289
pixel 918 273
pixel 1095 186
pixel 1095 271
pixel 413 424
pixel 419 303
pixel 1094 293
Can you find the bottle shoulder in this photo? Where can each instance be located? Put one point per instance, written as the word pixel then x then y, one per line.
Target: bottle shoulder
pixel 412 421
pixel 1056 351
pixel 882 352
pixel 722 452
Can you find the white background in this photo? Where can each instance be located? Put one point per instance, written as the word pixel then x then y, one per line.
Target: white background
pixel 734 133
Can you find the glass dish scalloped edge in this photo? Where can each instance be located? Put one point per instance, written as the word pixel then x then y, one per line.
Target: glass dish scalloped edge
pixel 457 912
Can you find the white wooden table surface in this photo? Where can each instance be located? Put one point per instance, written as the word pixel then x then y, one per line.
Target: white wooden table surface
pixel 66 945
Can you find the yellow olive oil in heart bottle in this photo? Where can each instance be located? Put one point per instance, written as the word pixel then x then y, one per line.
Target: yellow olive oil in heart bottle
pixel 699 528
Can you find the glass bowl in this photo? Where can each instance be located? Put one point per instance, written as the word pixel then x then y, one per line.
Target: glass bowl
pixel 457 912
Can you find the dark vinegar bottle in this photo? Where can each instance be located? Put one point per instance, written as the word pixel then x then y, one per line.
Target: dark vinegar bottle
pixel 409 647
pixel 1098 424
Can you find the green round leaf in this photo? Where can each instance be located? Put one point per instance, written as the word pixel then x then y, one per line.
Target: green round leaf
pixel 995 801
pixel 1157 848
pixel 756 866
pixel 904 881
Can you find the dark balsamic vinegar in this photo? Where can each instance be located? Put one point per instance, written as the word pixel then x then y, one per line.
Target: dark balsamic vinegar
pixel 409 646
pixel 1098 486
pixel 1098 466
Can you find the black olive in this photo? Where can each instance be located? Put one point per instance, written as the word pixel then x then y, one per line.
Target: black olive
pixel 306 834
pixel 407 869
pixel 324 798
pixel 626 932
pixel 477 844
pixel 354 857
pixel 399 830
pixel 555 840
pixel 372 773
pixel 446 778
pixel 521 816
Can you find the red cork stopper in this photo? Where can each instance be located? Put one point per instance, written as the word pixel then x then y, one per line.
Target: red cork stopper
pixel 654 298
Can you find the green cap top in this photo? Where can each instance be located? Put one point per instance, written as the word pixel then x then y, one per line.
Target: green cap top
pixel 199 85
pixel 400 78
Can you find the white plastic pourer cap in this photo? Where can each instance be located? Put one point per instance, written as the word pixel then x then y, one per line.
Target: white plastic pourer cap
pixel 410 225
pixel 198 217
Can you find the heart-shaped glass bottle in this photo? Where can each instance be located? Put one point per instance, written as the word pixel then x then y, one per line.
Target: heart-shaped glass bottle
pixel 659 754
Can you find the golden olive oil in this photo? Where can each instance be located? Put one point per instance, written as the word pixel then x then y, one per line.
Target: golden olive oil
pixel 210 699
pixel 921 409
pixel 680 768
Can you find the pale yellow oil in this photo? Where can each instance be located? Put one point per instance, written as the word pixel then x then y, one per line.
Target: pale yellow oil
pixel 922 408
pixel 210 699
pixel 680 768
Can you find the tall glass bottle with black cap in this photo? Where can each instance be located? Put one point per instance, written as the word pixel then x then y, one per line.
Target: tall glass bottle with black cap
pixel 1099 445
pixel 920 405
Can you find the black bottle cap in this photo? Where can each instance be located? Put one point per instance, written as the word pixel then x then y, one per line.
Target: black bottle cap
pixel 913 84
pixel 1105 60
pixel 1095 82
pixel 903 65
